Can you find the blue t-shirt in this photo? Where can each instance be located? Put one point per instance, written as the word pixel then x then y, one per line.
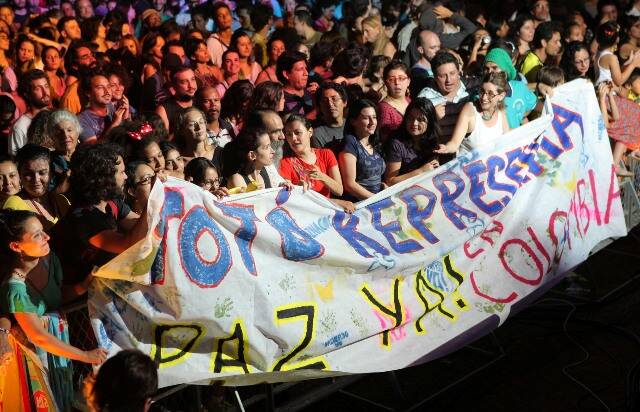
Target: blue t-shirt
pixel 93 124
pixel 518 103
pixel 369 168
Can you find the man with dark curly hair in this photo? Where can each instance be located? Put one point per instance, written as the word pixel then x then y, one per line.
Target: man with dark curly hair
pixel 99 224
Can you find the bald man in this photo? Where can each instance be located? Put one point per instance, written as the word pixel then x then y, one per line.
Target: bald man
pixel 428 45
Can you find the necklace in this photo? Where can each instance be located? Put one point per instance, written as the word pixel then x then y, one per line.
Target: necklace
pixel 19 274
pixel 487 117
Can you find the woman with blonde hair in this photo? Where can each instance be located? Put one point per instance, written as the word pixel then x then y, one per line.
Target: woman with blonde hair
pixel 373 33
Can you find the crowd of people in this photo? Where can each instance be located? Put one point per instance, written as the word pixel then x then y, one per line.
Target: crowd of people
pixel 99 98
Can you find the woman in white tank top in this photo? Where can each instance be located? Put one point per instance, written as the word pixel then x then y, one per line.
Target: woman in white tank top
pixel 482 122
pixel 607 63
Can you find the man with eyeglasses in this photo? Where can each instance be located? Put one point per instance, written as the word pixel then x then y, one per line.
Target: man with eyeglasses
pixel 328 132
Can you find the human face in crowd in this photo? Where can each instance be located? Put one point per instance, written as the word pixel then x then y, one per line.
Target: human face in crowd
pixel 277 48
pixel 273 124
pixel 448 78
pixel 298 76
pixel 153 157
pixel 223 19
pixel 369 33
pixel 298 137
pixel 201 54
pixel 304 50
pixel 100 94
pixel 263 155
pixel 26 52
pixel 156 51
pixel 153 21
pixel 9 179
pixel 490 96
pixel 65 138
pixel 116 87
pixel 634 30
pixel 51 60
pixel 582 61
pixel 34 241
pixel 429 45
pixel 5 44
pixel 6 120
pixel 85 57
pixel 85 9
pixel 397 82
pixel 491 67
pixel 6 14
pixel 159 4
pixel 40 96
pixel 120 174
pixel 332 106
pixel 67 9
pixel 35 175
pixel 527 31
pixel 143 179
pixel 72 28
pixel 177 50
pixel 211 180
pixel 197 126
pixel 245 47
pixel 365 123
pixel 129 44
pixel 417 123
pixel 575 34
pixel 540 10
pixel 211 104
pixel 609 13
pixel 185 83
pixel 174 161
pixel 231 64
pixel 199 22
pixel 554 45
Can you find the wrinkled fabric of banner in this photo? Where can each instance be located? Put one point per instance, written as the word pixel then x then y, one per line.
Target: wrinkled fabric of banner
pixel 275 286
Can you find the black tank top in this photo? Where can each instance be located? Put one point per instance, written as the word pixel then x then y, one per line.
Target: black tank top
pixel 265 177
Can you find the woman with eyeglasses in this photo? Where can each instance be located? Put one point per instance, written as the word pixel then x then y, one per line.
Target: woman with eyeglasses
pixel 483 121
pixel 140 179
pixel 202 172
pixel 393 107
pixel 576 62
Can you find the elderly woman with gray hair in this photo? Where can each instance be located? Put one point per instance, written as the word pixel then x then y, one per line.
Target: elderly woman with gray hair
pixel 63 129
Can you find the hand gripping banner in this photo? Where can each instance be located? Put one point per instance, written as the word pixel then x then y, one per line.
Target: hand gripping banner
pixel 280 286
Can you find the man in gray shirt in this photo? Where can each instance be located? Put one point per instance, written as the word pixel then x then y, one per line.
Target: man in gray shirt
pixel 331 98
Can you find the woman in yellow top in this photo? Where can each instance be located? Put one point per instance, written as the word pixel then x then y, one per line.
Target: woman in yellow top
pixel 35 173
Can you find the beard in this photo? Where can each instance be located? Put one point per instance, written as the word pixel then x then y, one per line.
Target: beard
pixel 183 97
pixel 278 148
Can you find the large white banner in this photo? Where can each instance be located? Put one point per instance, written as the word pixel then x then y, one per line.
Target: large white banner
pixel 280 286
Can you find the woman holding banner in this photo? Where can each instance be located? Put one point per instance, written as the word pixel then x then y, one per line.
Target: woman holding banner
pixel 484 121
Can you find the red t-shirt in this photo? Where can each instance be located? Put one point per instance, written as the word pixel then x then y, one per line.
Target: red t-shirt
pixel 294 169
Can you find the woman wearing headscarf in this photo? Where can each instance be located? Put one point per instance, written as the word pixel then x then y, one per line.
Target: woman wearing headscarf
pixel 519 100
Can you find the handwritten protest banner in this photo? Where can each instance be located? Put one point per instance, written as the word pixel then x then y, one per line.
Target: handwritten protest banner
pixel 281 286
